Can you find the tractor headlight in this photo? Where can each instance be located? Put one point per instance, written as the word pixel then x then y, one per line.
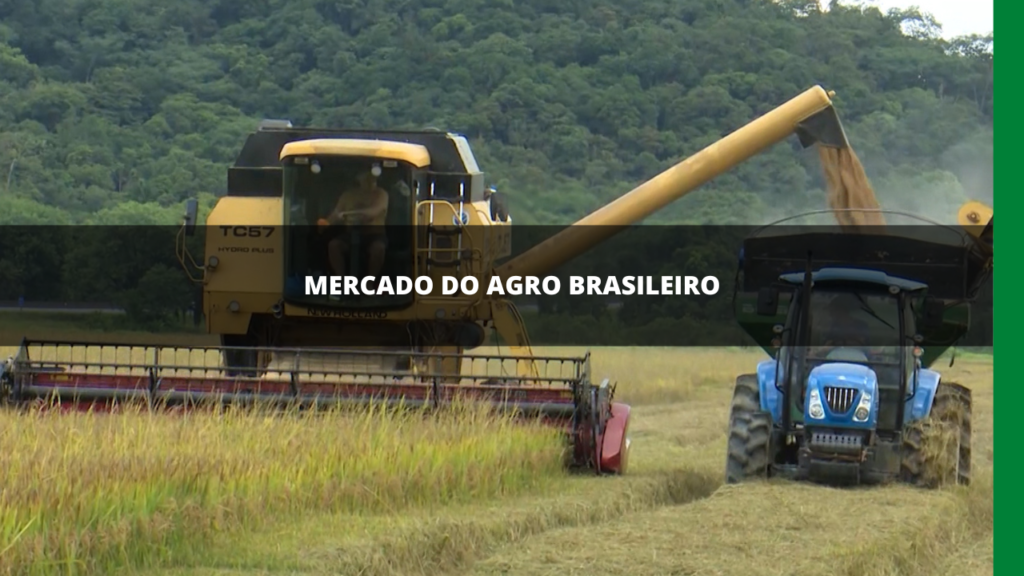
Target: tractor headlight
pixel 814 407
pixel 863 408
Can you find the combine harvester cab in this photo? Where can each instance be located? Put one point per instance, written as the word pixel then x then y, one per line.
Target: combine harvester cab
pixel 853 323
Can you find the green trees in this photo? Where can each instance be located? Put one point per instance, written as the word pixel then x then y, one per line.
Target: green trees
pixel 568 103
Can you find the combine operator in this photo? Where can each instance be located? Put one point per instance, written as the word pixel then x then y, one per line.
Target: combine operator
pixel 360 213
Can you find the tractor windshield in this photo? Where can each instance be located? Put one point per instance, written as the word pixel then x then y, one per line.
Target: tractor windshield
pixel 861 328
pixel 348 216
pixel 855 326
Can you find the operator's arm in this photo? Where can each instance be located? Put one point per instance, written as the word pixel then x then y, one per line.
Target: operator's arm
pixel 340 208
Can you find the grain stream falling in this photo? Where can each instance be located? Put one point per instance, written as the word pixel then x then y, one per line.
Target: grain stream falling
pixel 850 194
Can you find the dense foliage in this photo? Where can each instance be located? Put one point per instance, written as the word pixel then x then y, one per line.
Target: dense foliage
pixel 114 111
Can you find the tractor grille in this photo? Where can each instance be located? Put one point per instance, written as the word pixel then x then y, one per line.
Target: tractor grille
pixel 840 399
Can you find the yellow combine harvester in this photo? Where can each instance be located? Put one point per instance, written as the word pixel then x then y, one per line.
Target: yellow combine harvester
pixel 273 230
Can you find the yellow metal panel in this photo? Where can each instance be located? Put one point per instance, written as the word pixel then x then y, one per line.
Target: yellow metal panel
pixel 245 234
pixel 974 214
pixel 414 154
pixel 246 211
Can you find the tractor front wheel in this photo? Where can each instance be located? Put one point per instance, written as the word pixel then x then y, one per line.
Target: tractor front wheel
pixel 750 431
pixel 937 449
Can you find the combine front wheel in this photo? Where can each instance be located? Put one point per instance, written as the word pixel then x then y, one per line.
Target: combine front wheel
pixel 750 430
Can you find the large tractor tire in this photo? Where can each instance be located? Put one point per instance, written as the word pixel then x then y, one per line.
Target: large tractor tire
pixel 750 433
pixel 937 449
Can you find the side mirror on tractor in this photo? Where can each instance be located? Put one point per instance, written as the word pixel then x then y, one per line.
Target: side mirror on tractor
pixel 191 214
pixel 768 301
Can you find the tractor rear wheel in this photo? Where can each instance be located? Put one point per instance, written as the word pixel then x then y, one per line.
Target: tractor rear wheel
pixel 937 450
pixel 750 432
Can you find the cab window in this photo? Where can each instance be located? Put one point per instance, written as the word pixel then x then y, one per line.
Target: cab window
pixel 347 216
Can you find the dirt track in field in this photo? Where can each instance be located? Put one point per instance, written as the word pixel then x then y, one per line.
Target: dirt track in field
pixel 777 528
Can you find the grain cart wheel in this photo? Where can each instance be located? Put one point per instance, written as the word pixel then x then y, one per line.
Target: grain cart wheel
pixel 750 432
pixel 937 450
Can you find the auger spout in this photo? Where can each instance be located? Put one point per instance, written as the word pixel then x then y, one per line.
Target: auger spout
pixel 810 115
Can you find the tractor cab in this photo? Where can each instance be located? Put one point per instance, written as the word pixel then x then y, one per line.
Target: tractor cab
pixel 845 373
pixel 849 343
pixel 349 210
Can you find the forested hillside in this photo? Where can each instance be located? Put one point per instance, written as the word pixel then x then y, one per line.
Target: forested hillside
pixel 115 111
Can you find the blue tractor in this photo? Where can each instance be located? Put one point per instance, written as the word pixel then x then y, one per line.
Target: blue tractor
pixel 853 323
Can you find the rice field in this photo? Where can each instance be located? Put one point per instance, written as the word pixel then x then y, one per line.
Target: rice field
pixel 465 493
